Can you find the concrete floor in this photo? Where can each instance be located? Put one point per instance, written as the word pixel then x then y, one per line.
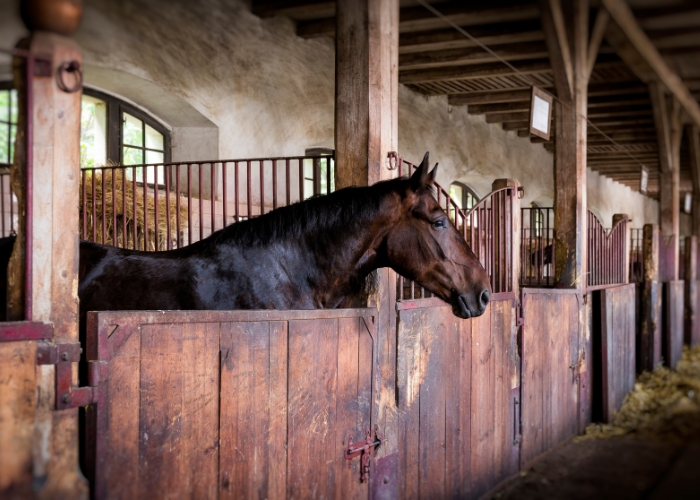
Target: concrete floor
pixel 617 468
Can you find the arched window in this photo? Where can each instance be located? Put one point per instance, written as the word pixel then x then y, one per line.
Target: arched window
pixel 463 196
pixel 8 122
pixel 113 131
pixel 536 220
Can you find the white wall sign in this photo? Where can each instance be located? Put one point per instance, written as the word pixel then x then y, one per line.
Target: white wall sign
pixel 541 113
pixel 688 203
pixel 644 181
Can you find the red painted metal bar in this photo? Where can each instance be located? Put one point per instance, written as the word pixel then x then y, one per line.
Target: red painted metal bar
pixel 224 194
pixel 114 208
pixel 145 208
pixel 201 200
pixel 24 330
pixel 212 187
pixel 166 173
pixel 189 203
pixel 177 204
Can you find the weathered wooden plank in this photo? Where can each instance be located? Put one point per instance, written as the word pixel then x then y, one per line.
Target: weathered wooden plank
pixel 277 442
pixel 244 409
pixel 160 411
pixel 673 322
pixel 312 389
pixel 451 375
pixel 465 399
pixel 118 465
pixel 432 405
pixel 17 407
pixel 550 364
pixel 408 381
pixel 618 347
pixel 483 405
pixel 200 410
pixel 692 315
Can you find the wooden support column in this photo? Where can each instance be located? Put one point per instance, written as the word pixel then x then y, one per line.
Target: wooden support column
pixel 693 134
pixel 367 84
pixel 51 295
pixel 668 133
pixel 649 355
pixel 692 314
pixel 366 130
pixel 566 32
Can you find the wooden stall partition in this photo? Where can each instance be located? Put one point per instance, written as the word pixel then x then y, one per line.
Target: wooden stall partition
pixel 673 309
pixel 649 340
pixel 691 331
pixel 617 343
pixel 458 386
pixel 553 366
pixel 239 404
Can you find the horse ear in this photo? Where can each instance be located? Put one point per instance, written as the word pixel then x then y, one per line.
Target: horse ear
pixel 420 176
pixel 433 174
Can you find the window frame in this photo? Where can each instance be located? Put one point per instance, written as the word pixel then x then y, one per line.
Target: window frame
pixel 115 120
pixel 9 85
pixel 466 192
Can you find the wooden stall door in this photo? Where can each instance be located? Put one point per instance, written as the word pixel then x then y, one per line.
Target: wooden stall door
pixel 458 385
pixel 673 325
pixel 617 334
pixel 243 404
pixel 553 368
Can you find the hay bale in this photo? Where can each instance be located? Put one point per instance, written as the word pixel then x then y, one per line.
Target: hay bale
pixel 664 403
pixel 119 195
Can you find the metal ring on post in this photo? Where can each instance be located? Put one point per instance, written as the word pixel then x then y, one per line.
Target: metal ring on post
pixel 69 67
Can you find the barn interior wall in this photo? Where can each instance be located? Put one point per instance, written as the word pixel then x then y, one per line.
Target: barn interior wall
pixel 231 85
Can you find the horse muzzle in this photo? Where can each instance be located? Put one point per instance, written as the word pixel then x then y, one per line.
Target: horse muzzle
pixel 471 305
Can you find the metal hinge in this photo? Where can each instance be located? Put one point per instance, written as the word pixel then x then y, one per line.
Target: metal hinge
pixel 519 316
pixel 363 449
pixel 63 356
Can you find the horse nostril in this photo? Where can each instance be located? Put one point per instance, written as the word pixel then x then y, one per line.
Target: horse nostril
pixel 484 298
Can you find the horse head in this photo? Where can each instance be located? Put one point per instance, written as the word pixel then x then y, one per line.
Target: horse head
pixel 424 246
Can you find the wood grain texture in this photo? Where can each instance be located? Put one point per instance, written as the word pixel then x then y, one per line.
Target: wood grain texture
pixel 457 418
pixel 618 347
pixel 673 322
pixel 17 407
pixel 551 364
pixel 206 408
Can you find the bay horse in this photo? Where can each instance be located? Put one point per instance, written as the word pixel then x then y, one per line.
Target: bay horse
pixel 309 255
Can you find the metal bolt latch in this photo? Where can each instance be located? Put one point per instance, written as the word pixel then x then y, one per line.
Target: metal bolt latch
pixel 364 450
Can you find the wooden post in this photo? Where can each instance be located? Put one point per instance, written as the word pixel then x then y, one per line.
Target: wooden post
pixel 692 315
pixel 693 134
pixel 569 56
pixel 668 133
pixel 649 344
pixel 366 118
pixel 51 293
pixel 625 243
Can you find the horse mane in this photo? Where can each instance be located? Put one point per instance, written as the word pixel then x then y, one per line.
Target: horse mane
pixel 337 211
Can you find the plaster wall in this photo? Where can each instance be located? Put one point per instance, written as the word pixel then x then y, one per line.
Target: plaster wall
pixel 230 85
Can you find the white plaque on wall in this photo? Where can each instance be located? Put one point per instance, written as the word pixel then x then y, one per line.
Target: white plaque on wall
pixel 643 181
pixel 541 113
pixel 688 203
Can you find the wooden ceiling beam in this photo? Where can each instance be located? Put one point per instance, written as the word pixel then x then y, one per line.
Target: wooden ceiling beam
pixel 635 48
pixel 482 98
pixel 474 71
pixel 473 55
pixel 481 109
pixel 490 34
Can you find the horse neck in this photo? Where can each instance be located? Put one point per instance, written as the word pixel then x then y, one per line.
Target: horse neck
pixel 356 249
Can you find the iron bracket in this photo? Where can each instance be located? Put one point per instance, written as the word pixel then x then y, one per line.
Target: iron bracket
pixel 519 317
pixel 363 449
pixel 63 356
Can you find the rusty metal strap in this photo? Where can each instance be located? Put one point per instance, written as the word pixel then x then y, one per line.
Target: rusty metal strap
pixel 25 330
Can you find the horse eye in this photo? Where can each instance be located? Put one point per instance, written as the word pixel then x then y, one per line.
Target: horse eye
pixel 439 224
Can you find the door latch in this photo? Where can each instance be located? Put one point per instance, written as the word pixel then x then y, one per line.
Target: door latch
pixel 364 450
